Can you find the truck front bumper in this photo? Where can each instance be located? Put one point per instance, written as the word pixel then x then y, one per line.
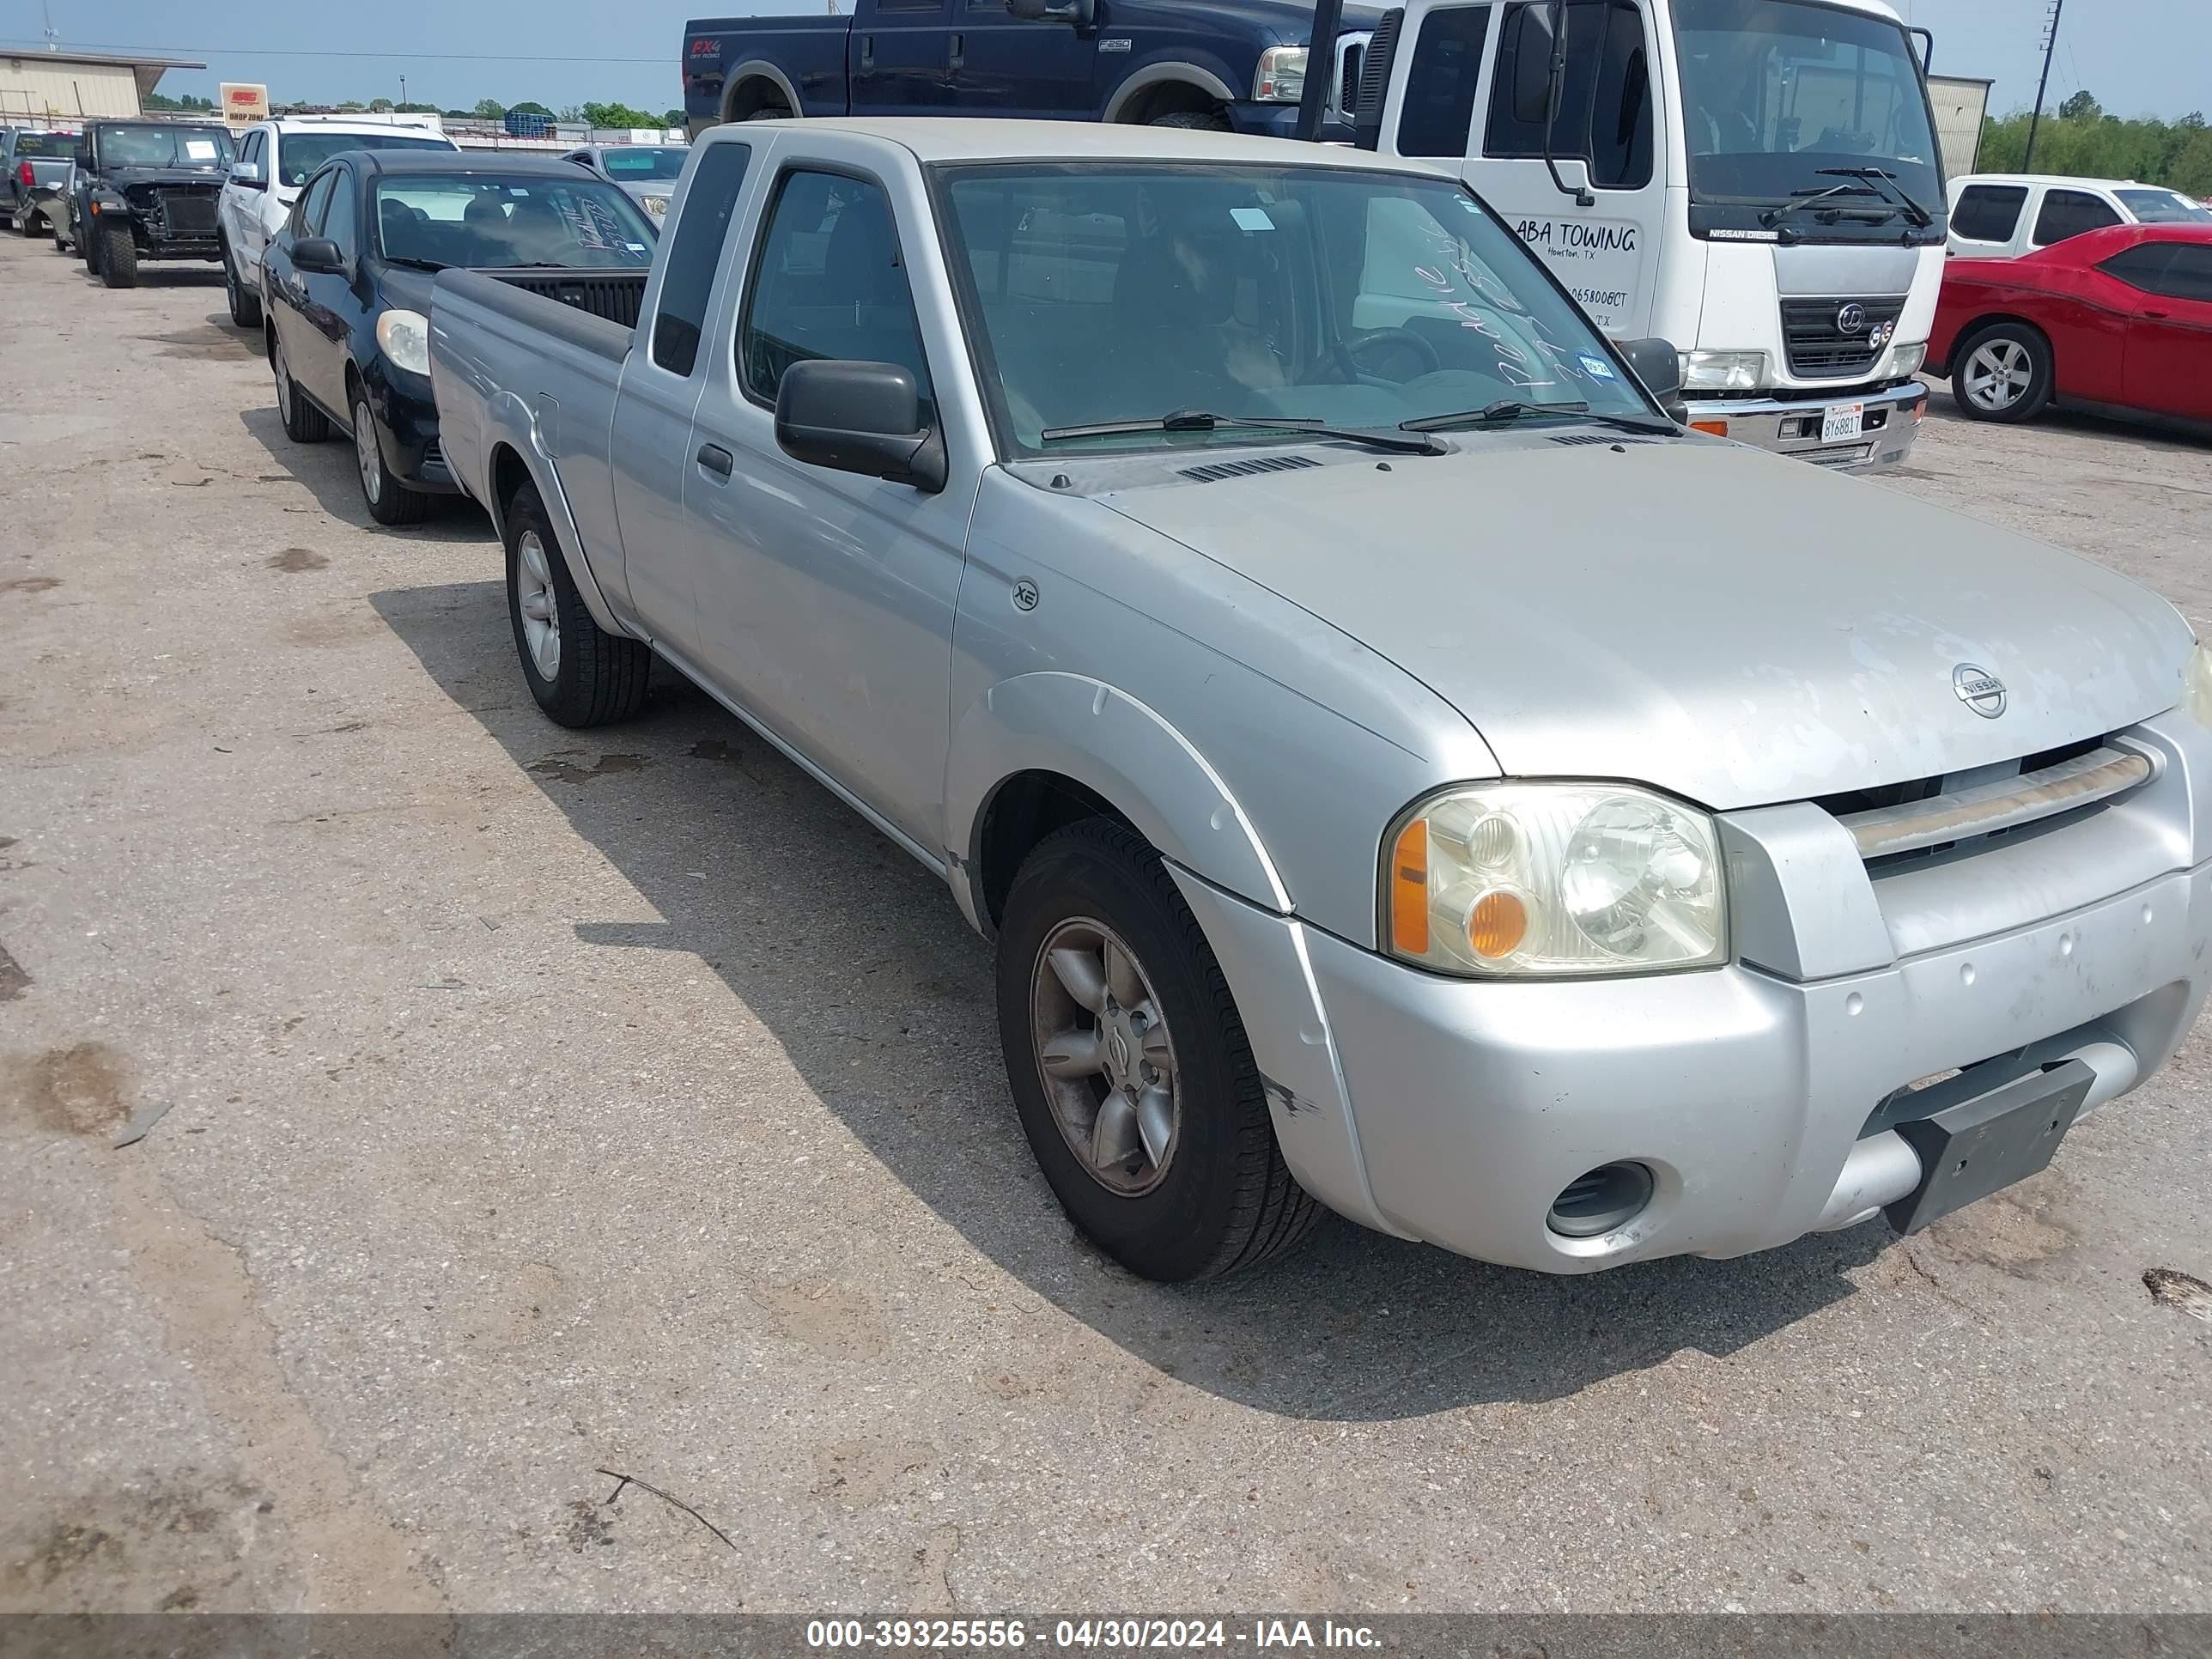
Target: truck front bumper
pixel 1791 423
pixel 1760 1107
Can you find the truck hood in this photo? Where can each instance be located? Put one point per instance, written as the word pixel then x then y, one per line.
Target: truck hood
pixel 1734 627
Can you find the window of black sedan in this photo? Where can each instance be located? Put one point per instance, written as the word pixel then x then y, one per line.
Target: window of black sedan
pixel 486 222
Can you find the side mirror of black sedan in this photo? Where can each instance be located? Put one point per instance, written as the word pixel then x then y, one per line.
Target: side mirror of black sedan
pixel 319 254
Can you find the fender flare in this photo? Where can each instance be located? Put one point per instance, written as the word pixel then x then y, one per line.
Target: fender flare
pixel 758 69
pixel 1153 75
pixel 508 423
pixel 1116 746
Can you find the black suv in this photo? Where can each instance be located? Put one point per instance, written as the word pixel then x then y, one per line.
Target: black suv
pixel 147 190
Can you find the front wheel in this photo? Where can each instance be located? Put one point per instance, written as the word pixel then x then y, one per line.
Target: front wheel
pixel 245 303
pixel 390 501
pixel 2003 373
pixel 1195 120
pixel 1130 1067
pixel 119 256
pixel 580 674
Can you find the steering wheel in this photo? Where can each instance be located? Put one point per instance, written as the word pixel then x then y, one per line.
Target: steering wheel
pixel 1346 352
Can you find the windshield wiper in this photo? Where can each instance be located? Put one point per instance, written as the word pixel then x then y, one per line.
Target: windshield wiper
pixel 1507 410
pixel 1202 420
pixel 412 262
pixel 1886 184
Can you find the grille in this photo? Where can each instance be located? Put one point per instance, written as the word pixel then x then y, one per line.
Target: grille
pixel 1374 73
pixel 1847 455
pixel 434 454
pixel 189 213
pixel 1215 470
pixel 1347 79
pixel 1818 347
pixel 617 296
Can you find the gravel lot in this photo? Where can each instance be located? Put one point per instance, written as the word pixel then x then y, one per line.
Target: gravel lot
pixel 543 1102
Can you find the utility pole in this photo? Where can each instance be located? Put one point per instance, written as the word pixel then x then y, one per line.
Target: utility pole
pixel 403 92
pixel 2049 46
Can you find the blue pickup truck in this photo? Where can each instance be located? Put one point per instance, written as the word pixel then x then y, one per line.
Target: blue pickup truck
pixel 1226 64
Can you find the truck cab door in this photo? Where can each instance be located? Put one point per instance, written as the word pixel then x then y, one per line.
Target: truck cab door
pixel 899 58
pixel 1040 67
pixel 1605 138
pixel 826 598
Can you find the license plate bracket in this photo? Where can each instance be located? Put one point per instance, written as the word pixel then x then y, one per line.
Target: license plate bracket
pixel 1840 423
pixel 1984 1145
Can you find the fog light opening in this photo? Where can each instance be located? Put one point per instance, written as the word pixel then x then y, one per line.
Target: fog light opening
pixel 1601 1199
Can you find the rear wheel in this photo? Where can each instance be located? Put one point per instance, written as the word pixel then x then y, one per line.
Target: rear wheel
pixel 390 501
pixel 580 674
pixel 2003 373
pixel 119 256
pixel 303 422
pixel 1130 1067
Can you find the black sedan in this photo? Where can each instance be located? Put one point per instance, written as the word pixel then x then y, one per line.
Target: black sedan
pixel 346 290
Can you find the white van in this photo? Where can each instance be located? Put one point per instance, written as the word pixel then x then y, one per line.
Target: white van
pixel 2001 215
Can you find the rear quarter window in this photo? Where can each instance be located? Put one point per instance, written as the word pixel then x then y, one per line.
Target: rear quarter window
pixel 1988 213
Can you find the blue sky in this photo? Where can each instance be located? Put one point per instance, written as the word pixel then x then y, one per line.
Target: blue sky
pixel 2139 57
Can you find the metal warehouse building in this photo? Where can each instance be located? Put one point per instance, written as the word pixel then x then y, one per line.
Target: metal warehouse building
pixel 73 85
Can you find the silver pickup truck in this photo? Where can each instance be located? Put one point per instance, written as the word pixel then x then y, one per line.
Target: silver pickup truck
pixel 1402 769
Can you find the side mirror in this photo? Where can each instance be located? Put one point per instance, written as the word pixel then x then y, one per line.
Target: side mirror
pixel 1080 13
pixel 319 254
pixel 858 417
pixel 1531 66
pixel 81 157
pixel 248 176
pixel 1659 366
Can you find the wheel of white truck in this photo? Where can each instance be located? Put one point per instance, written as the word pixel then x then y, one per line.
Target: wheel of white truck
pixel 2003 373
pixel 580 674
pixel 245 304
pixel 1130 1068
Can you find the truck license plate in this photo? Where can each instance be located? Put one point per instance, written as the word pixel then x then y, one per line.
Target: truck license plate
pixel 1841 421
pixel 1984 1145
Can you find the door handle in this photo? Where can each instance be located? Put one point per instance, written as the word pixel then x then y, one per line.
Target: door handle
pixel 716 460
pixel 2158 316
pixel 867 53
pixel 959 50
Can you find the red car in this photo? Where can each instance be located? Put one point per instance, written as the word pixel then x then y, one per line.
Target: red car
pixel 2118 321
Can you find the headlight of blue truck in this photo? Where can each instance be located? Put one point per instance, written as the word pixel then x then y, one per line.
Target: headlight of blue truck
pixel 1282 75
pixel 1502 880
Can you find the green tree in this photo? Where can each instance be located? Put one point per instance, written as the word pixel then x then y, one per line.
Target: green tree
pixel 673 118
pixel 528 106
pixel 489 109
pixel 380 106
pixel 2098 145
pixel 162 100
pixel 618 115
pixel 2081 106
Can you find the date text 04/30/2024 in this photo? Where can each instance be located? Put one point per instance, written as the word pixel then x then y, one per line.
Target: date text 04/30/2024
pixel 1111 1634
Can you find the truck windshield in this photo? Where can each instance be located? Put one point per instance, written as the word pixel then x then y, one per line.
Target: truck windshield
pixel 1321 294
pixel 1775 91
pixel 300 156
pixel 2164 207
pixel 643 164
pixel 164 146
pixel 491 223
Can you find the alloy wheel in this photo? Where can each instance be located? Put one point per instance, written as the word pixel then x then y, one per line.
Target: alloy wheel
pixel 366 453
pixel 541 610
pixel 284 380
pixel 1997 374
pixel 1105 1056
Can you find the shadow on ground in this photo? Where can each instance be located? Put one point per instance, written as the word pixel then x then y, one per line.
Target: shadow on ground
pixel 327 470
pixel 856 960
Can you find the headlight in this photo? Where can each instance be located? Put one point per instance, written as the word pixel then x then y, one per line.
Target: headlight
pixel 2196 686
pixel 657 206
pixel 404 337
pixel 1282 76
pixel 1908 359
pixel 1723 371
pixel 1538 879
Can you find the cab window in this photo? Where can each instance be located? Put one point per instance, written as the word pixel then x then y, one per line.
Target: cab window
pixel 1439 113
pixel 1605 112
pixel 830 283
pixel 2069 213
pixel 1988 213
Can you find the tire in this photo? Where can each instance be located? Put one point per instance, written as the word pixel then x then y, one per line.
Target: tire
pixel 1207 121
pixel 303 422
pixel 1208 1194
pixel 596 677
pixel 119 256
pixel 88 244
pixel 2002 373
pixel 390 501
pixel 245 304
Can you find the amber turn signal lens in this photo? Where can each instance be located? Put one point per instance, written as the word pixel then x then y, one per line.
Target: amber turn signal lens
pixel 1498 924
pixel 1718 429
pixel 1409 890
